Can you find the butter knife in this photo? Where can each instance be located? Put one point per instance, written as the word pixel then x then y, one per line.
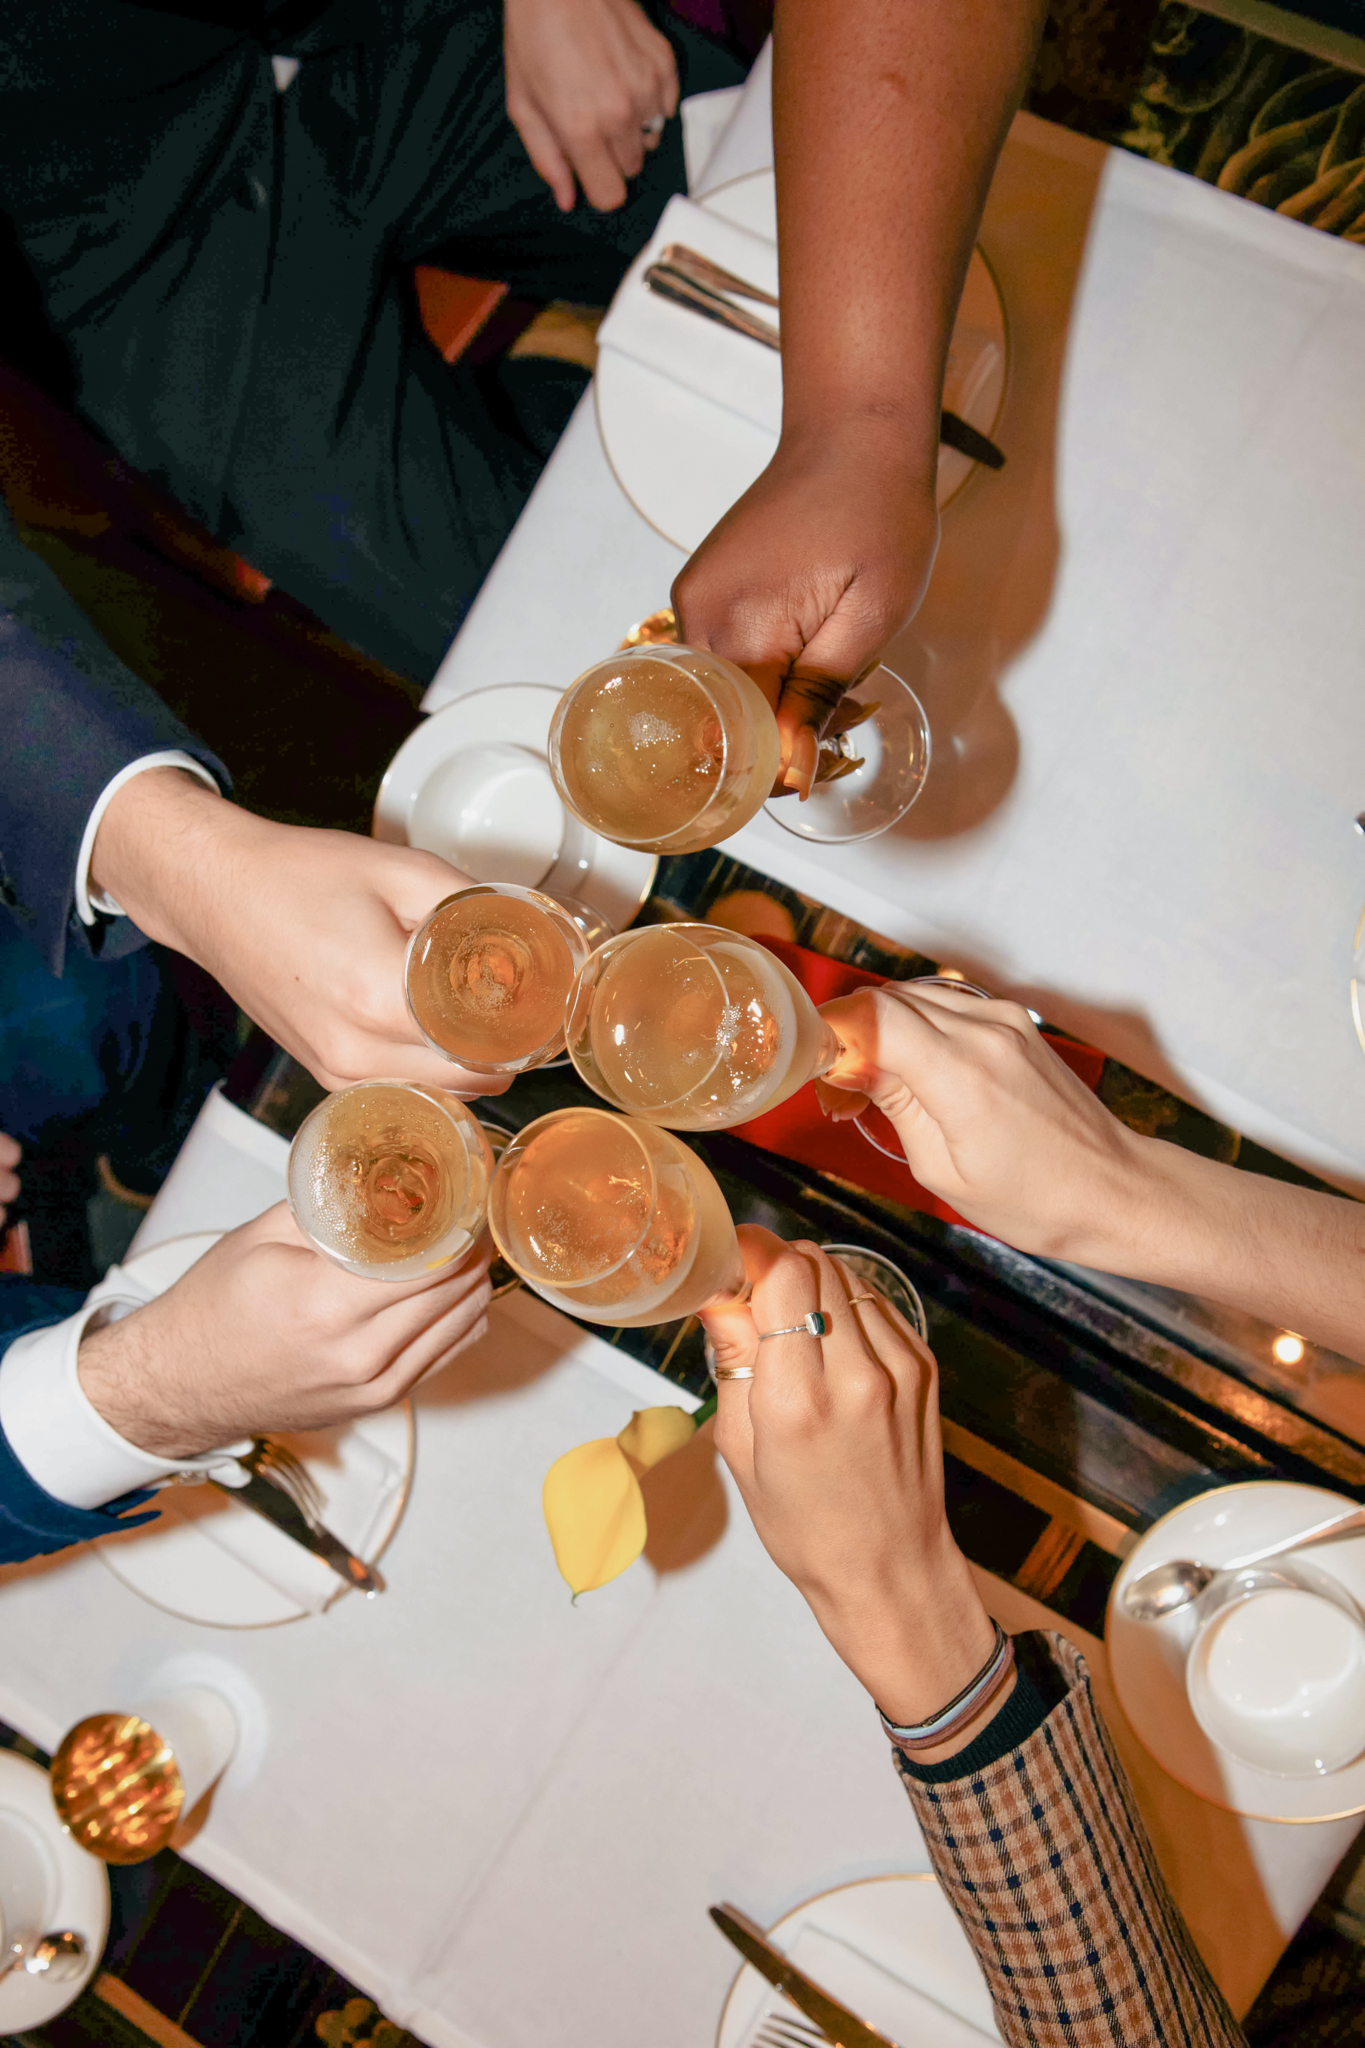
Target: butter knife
pixel 263 1497
pixel 843 2028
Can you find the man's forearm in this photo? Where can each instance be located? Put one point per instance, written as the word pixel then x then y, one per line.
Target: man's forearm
pixel 888 117
pixel 1287 1254
pixel 156 850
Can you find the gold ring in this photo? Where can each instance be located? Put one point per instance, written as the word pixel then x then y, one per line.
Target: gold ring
pixel 854 1299
pixel 732 1372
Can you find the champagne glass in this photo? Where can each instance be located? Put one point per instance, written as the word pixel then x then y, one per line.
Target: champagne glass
pixel 869 775
pixel 664 748
pixel 613 1220
pixel 390 1180
pixel 876 1273
pixel 489 971
pixel 694 1027
pixel 873 1124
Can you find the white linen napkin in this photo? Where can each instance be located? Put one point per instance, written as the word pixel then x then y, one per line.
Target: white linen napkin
pixel 726 368
pixel 907 2016
pixel 729 369
pixel 358 1484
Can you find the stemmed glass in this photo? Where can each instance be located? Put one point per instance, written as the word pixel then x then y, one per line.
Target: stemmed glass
pixel 390 1180
pixel 872 1123
pixel 664 748
pixel 870 771
pixel 694 1027
pixel 613 1220
pixel 489 971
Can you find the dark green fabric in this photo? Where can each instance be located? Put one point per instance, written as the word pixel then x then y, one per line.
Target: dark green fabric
pixel 229 268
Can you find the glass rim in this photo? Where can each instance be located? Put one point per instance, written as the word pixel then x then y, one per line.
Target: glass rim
pixel 516 1149
pixel 619 941
pixel 568 931
pixel 461 1120
pixel 665 651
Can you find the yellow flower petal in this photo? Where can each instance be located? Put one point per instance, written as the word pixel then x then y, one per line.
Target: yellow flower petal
pixel 595 1513
pixel 654 1433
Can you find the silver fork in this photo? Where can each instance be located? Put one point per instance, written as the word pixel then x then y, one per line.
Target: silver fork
pixel 270 1459
pixel 785 2033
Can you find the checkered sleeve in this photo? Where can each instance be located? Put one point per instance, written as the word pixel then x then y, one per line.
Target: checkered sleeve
pixel 1050 1870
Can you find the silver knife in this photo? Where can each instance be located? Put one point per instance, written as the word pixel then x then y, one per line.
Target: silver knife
pixel 267 1499
pixel 842 2027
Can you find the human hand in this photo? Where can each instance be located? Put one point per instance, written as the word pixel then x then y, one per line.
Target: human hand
pixel 990 1118
pixel 810 573
pixel 263 1333
pixel 584 79
pixel 834 1444
pixel 307 930
pixel 10 1155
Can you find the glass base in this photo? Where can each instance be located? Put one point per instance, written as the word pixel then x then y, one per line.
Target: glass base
pixel 893 747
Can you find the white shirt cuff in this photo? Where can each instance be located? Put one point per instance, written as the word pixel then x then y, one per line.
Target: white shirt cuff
pixel 88 907
pixel 59 1436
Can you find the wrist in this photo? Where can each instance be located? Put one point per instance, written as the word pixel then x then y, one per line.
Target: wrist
pixel 892 438
pixel 159 839
pixel 117 1375
pixel 914 1654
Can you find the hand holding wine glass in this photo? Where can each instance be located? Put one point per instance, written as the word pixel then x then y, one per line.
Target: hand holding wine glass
pixel 834 1444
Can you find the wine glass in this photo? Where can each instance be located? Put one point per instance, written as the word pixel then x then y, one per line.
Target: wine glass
pixel 613 1220
pixel 390 1180
pixel 694 1027
pixel 489 971
pixel 867 776
pixel 664 748
pixel 872 1123
pixel 882 1276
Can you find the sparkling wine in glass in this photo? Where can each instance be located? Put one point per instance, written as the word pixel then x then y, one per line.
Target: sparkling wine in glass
pixel 390 1180
pixel 613 1220
pixel 664 748
pixel 489 972
pixel 694 1027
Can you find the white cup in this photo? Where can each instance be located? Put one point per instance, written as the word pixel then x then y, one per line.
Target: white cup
pixel 200 1730
pixel 1276 1674
pixel 28 1887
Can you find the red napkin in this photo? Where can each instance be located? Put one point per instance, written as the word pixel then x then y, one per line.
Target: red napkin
pixel 798 1130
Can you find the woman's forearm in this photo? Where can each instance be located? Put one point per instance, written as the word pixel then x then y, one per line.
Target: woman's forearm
pixel 1287 1254
pixel 888 117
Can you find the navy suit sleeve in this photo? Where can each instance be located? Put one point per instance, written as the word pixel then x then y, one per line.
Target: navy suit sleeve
pixel 32 1523
pixel 71 716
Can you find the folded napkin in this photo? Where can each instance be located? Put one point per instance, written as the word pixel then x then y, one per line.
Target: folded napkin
pixel 730 370
pixel 798 1129
pixel 907 2016
pixel 358 1483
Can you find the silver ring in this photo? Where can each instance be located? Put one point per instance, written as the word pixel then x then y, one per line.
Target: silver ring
pixel 653 126
pixel 813 1325
pixel 732 1372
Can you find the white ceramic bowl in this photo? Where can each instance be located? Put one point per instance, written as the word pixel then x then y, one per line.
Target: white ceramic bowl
pixel 1276 1675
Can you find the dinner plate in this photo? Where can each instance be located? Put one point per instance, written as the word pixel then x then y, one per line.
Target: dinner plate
pixel 1147 1658
pixel 899 1928
pixel 78 1897
pixel 472 784
pixel 364 1472
pixel 683 461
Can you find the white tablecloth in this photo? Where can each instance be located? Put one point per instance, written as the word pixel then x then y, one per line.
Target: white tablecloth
pixel 1140 651
pixel 504 1816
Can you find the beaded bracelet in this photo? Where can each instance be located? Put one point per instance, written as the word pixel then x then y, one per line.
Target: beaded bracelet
pixel 962 1706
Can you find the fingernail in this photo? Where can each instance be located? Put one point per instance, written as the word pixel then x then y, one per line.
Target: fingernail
pixel 801 767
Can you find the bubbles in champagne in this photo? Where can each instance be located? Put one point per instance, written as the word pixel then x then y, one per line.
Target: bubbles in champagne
pixel 387 1177
pixel 642 750
pixel 488 978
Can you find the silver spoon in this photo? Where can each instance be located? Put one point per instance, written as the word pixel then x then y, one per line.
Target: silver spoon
pixel 58 1957
pixel 1166 1588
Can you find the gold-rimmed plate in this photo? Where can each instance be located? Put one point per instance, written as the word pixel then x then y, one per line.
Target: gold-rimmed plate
pixel 892 1949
